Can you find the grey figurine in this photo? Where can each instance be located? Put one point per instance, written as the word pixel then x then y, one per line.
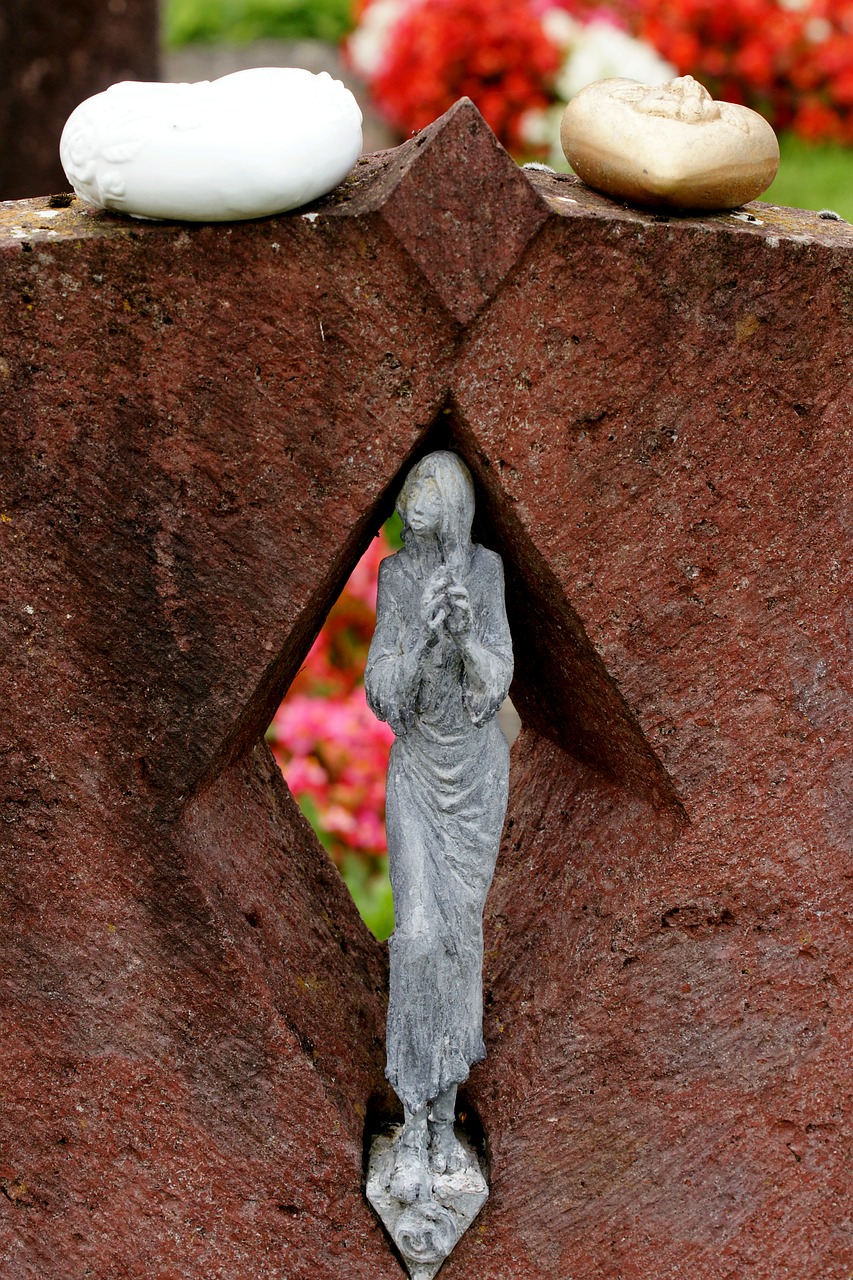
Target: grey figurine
pixel 439 667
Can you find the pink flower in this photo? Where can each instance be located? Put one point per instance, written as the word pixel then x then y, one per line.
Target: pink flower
pixel 331 749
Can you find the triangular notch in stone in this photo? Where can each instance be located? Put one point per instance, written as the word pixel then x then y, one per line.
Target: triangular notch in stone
pixel 561 688
pixel 443 192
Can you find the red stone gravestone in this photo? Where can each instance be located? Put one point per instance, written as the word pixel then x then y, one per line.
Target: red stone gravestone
pixel 202 428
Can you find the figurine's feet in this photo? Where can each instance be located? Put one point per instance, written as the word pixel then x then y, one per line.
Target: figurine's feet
pixel 446 1153
pixel 411 1179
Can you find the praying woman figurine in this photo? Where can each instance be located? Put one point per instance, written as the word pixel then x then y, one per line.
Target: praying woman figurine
pixel 439 667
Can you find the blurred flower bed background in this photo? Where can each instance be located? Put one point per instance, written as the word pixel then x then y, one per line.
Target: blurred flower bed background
pixel 331 748
pixel 520 61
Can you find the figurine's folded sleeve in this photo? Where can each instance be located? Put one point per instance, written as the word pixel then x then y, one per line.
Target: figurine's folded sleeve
pixel 393 671
pixel 488 660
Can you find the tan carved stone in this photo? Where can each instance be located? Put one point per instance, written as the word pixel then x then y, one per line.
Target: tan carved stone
pixel 669 145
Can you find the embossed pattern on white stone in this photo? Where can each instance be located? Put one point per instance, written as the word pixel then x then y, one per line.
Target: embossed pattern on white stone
pixel 668 146
pixel 248 145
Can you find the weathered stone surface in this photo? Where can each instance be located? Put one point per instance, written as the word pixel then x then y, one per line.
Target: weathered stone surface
pixel 465 258
pixel 51 58
pixel 671 999
pixel 201 428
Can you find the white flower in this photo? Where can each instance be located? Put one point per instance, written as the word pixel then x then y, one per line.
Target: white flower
pixel 600 51
pixel 368 44
pixel 536 126
pixel 560 28
pixel 540 129
pixel 817 30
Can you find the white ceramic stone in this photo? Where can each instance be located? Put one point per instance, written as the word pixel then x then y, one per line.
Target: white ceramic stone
pixel 669 145
pixel 246 146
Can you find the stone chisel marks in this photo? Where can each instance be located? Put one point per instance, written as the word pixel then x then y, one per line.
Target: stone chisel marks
pixel 201 428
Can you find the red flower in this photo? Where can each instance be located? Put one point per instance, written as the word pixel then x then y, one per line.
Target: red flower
pixel 494 53
pixel 791 63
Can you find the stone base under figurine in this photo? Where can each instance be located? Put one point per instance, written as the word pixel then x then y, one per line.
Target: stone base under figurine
pixel 426 1229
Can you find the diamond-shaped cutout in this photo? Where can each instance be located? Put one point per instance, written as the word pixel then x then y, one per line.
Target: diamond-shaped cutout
pixel 551 642
pixel 333 751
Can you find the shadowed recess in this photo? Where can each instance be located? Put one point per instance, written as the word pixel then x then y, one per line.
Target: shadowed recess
pixel 561 687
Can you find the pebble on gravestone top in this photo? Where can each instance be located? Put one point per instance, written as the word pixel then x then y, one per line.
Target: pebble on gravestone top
pixel 248 145
pixel 669 145
pixel 439 667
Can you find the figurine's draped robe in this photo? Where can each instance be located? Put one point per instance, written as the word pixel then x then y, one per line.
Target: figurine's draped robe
pixel 445 805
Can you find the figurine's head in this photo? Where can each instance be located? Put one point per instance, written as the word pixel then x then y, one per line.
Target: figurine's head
pixel 437 499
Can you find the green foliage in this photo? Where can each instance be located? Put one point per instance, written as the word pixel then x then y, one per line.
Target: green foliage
pixel 241 21
pixel 814 176
pixel 393 528
pixel 312 813
pixel 368 881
